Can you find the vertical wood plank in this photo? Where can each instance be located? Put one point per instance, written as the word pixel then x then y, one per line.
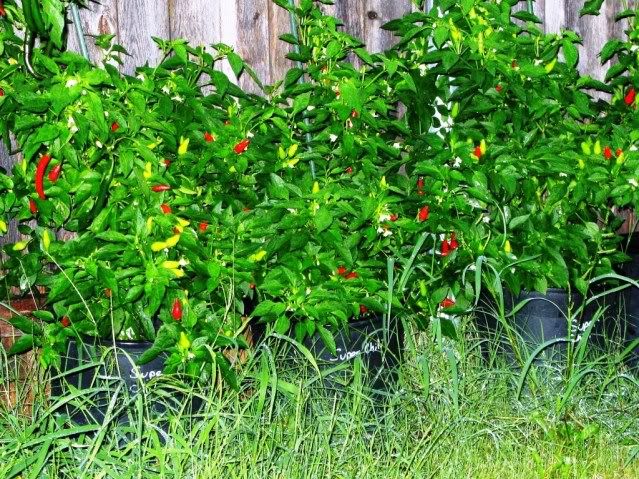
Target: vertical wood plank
pixel 138 21
pixel 97 19
pixel 364 18
pixel 253 40
pixel 279 23
pixel 194 20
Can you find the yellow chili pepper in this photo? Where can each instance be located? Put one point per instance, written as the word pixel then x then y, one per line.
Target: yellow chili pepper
pixel 507 247
pixel 483 147
pixel 159 246
pixel 551 66
pixel 281 153
pixel 148 170
pixel 292 150
pixel 259 256
pixel 172 241
pixel 171 264
pixel 184 146
pixel 46 240
pixel 316 187
pixel 3 227
pixel 597 148
pixel 20 245
pixel 184 343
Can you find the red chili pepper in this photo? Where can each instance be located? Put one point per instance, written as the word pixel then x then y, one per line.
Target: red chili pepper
pixel 342 270
pixel 445 249
pixel 252 286
pixel 351 275
pixel 453 242
pixel 607 152
pixel 447 303
pixel 514 64
pixel 241 147
pixel 3 12
pixel 176 231
pixel 115 126
pixel 424 213
pixel 33 207
pixel 65 322
pixel 354 114
pixel 166 209
pixel 176 311
pixel 160 188
pixel 54 174
pixel 478 152
pixel 499 88
pixel 619 152
pixel 349 170
pixel 39 176
pixel 1 92
pixel 363 309
pixel 208 137
pixel 394 217
pixel 108 293
pixel 420 186
pixel 203 227
pixel 167 163
pixel 630 96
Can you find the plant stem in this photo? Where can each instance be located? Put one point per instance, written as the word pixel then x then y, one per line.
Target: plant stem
pixel 530 6
pixel 79 31
pixel 296 47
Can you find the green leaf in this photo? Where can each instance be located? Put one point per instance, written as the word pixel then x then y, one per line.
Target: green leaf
pixel 440 35
pixel 282 325
pixel 53 14
pixel 610 49
pixel 591 7
pixel 26 325
pixel 571 53
pixel 22 345
pixel 327 338
pixel 526 17
pixel 225 370
pixel 323 219
pixel 236 62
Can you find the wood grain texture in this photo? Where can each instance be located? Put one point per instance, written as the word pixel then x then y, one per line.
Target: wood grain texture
pixel 253 37
pixel 100 18
pixel 138 21
pixel 279 24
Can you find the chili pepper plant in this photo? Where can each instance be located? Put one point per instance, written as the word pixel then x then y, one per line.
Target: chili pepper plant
pixel 505 150
pixel 154 179
pixel 334 217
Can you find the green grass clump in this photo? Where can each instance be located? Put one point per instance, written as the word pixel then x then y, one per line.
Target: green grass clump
pixel 455 412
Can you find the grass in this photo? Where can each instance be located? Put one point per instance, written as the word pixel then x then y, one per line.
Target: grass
pixel 454 414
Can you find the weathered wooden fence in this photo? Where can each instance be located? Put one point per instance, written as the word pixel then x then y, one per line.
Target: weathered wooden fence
pixel 253 28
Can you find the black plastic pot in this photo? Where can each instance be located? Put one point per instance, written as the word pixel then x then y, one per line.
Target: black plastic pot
pixel 100 369
pixel 629 302
pixel 377 344
pixel 542 318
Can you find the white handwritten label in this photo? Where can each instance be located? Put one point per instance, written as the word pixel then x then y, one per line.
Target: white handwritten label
pixel 367 348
